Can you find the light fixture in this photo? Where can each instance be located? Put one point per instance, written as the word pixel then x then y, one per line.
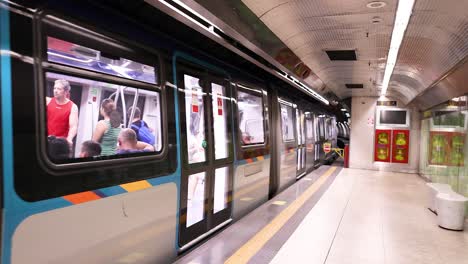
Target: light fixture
pixel 402 17
pixel 348 115
pixel 344 110
pixel 376 4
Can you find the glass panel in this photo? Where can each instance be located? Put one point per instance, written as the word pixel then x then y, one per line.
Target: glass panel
pixel 85 119
pixel 68 53
pixel 220 102
pixel 195 198
pixel 303 157
pixel 302 128
pixel 322 128
pixel 299 151
pixel 287 122
pixel 298 127
pixel 221 189
pixel 250 118
pixel 195 118
pixel 309 129
pixel 443 151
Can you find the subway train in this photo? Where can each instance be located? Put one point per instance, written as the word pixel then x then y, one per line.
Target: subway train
pixel 187 134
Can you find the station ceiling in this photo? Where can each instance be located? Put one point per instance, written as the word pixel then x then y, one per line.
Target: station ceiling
pixel 299 33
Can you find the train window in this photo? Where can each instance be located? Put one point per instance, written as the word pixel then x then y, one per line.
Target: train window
pixel 195 114
pixel 196 198
pixel 72 54
pixel 321 126
pixel 298 126
pixel 251 122
pixel 220 120
pixel 93 120
pixel 287 122
pixel 309 126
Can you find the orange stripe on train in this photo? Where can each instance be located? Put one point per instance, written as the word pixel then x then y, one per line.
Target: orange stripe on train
pixel 136 186
pixel 82 197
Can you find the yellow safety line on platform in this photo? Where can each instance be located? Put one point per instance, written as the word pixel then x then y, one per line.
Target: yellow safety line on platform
pixel 249 249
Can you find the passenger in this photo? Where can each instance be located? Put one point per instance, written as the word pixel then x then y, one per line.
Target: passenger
pixel 62 113
pixel 90 148
pixel 128 143
pixel 58 148
pixel 143 131
pixel 108 130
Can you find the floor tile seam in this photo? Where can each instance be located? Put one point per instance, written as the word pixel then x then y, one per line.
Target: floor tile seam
pixel 341 219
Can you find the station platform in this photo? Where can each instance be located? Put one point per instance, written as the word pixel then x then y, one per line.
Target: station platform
pixel 335 215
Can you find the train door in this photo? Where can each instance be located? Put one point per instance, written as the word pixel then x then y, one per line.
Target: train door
pixel 310 141
pixel 301 144
pixel 207 153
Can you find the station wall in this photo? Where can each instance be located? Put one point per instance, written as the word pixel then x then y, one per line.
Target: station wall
pixel 363 116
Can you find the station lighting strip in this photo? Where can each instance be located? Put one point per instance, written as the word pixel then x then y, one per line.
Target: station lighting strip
pixel 403 14
pixel 210 28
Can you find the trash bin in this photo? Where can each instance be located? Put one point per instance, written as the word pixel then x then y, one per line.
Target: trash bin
pixel 451 210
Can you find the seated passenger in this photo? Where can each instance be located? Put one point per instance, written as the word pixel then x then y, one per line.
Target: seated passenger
pixel 90 148
pixel 128 143
pixel 58 148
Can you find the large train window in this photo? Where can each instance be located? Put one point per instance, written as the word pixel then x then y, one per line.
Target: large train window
pixel 251 121
pixel 287 125
pixel 101 97
pixel 89 119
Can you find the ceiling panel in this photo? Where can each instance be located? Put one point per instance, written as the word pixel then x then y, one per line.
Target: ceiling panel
pixel 435 41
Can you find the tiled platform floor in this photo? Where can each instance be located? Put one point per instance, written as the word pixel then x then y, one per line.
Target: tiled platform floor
pixel 373 217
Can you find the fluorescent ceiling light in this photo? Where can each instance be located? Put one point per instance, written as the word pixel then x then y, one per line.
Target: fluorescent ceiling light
pixel 347 114
pixel 344 110
pixel 402 17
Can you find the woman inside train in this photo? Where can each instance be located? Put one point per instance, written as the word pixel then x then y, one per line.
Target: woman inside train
pixel 108 129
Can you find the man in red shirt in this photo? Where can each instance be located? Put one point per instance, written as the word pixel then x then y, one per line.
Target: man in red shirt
pixel 62 113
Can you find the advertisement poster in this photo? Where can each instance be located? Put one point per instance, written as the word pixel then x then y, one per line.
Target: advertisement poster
pixel 400 146
pixel 446 148
pixel 382 145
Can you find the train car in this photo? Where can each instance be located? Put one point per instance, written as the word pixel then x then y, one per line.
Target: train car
pixel 129 137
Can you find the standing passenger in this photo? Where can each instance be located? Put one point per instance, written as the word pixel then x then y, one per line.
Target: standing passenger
pixel 141 128
pixel 62 113
pixel 108 130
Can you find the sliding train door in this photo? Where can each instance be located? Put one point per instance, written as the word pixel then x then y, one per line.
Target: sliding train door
pixel 301 144
pixel 207 153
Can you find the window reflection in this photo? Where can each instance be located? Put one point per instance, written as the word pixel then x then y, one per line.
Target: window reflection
pixel 195 198
pixel 194 116
pixel 68 53
pixel 287 122
pixel 250 118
